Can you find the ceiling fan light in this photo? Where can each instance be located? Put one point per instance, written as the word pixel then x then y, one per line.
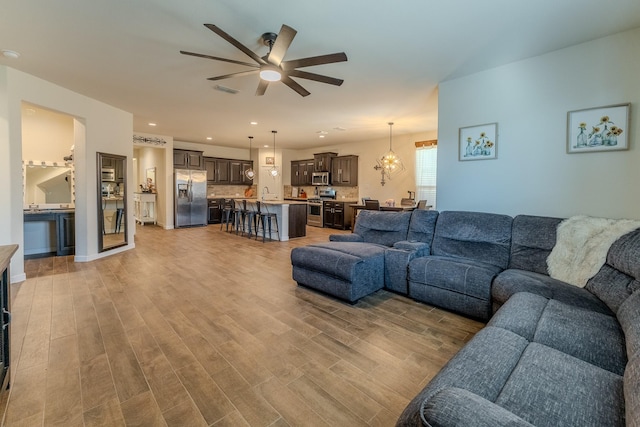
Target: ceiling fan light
pixel 270 74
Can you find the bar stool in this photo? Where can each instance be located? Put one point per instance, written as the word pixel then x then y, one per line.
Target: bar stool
pixel 266 220
pixel 228 216
pixel 252 217
pixel 239 216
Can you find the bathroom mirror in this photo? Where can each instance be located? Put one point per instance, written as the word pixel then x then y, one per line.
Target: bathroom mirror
pixel 112 201
pixel 48 185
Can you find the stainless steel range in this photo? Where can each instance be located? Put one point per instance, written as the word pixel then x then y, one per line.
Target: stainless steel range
pixel 315 212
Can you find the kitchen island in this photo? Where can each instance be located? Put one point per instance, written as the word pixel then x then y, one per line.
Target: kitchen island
pixel 292 216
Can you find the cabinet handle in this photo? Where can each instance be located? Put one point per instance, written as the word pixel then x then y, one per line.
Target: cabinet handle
pixel 6 318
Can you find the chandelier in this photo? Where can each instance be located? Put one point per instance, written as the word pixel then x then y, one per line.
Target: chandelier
pixel 389 164
pixel 274 171
pixel 250 173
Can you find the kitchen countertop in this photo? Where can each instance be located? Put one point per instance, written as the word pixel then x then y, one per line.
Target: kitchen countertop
pixel 47 211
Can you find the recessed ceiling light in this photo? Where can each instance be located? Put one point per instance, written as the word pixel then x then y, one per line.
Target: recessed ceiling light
pixel 209 138
pixel 253 123
pixel 10 54
pixel 265 146
pixel 152 124
pixel 339 128
pixel 321 136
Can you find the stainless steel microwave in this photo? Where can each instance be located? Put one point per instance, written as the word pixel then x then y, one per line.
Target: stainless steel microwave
pixel 108 174
pixel 320 178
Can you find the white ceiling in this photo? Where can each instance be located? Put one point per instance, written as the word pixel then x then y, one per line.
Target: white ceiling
pixel 126 54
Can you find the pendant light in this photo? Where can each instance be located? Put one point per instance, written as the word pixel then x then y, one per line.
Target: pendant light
pixel 250 173
pixel 389 164
pixel 274 171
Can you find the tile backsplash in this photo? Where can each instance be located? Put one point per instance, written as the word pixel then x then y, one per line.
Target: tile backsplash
pixel 347 193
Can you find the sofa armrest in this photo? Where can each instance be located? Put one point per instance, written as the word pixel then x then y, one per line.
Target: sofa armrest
pixel 397 259
pixel 346 238
pixel 454 406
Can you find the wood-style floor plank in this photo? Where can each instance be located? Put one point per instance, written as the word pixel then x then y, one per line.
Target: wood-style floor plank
pixel 199 327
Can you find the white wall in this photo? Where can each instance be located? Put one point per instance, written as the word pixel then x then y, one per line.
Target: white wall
pixel 530 99
pixel 97 127
pixel 368 153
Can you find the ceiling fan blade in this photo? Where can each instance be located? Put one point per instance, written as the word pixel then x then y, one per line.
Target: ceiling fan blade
pixel 240 74
pixel 316 77
pixel 215 58
pixel 314 60
pixel 294 85
pixel 262 87
pixel 236 43
pixel 283 41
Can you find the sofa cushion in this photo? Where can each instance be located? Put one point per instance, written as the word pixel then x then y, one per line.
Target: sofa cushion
pixel 383 228
pixel 629 318
pixel 478 236
pixel 619 276
pixel 593 337
pixel 532 239
pixel 512 281
pixel 422 226
pixel 551 388
pixel 457 284
pixel 338 259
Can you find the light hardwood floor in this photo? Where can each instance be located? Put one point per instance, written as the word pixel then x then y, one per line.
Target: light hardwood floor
pixel 198 327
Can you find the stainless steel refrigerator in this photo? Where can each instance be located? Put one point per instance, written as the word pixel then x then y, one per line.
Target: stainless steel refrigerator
pixel 190 197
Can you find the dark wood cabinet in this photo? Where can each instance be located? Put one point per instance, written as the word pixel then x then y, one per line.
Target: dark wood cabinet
pixel 214 212
pixel 120 168
pixel 344 171
pixel 6 252
pixel 297 220
pixel 63 225
pixel 210 168
pixel 223 175
pixel 301 171
pixel 66 233
pixel 188 159
pixel 227 171
pixel 322 161
pixel 337 215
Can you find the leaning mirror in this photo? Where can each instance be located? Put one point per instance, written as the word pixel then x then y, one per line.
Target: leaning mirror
pixel 112 201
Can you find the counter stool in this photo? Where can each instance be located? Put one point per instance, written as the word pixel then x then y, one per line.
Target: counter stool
pixel 252 216
pixel 228 216
pixel 240 215
pixel 267 219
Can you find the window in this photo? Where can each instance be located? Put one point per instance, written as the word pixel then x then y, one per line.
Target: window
pixel 426 167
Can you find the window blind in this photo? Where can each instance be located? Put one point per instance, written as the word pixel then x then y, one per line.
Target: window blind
pixel 426 168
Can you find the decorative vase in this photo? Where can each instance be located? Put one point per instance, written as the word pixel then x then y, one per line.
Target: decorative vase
pixel 582 139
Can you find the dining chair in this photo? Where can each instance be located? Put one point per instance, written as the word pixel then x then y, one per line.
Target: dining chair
pixel 372 205
pixel 422 204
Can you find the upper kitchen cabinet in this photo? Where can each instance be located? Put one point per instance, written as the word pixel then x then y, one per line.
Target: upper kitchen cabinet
pixel 322 161
pixel 237 169
pixel 188 159
pixel 301 171
pixel 344 171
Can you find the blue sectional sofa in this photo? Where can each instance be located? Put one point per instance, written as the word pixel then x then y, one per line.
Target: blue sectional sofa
pixel 551 353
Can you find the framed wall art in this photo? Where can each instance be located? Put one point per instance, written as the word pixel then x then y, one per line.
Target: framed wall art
pixel 478 142
pixel 269 160
pixel 598 129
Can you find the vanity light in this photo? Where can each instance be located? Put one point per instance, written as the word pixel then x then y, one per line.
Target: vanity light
pixel 30 163
pixel 43 164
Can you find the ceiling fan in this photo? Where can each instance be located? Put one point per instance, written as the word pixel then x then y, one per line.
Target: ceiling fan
pixel 272 66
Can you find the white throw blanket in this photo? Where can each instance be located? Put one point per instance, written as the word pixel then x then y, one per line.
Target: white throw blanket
pixel 581 247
